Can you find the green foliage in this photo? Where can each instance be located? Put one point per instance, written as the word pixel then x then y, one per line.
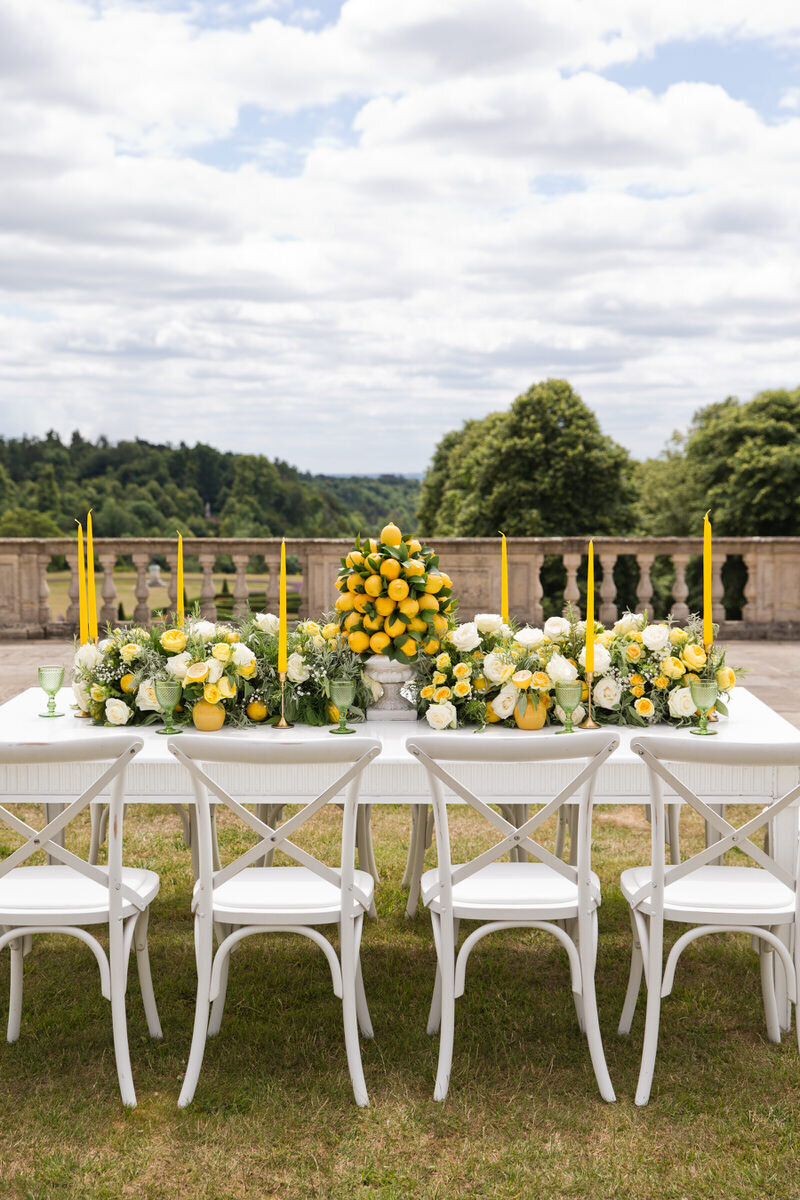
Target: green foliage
pixel 543 468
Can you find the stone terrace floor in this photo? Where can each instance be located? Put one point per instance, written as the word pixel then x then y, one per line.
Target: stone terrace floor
pixel 773 669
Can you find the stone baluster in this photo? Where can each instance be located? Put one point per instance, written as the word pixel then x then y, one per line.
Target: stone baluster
pixel 303 613
pixel 717 587
pixel 751 562
pixel 109 610
pixel 537 615
pixel 45 616
pixel 141 613
pixel 644 588
pixel 208 606
pixel 73 611
pixel 172 582
pixel 571 593
pixel 240 589
pixel 608 589
pixel 271 588
pixel 680 609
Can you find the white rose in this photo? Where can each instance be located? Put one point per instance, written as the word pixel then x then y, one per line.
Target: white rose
pixel 681 703
pixel 488 622
pixel 602 659
pixel 145 698
pixel 177 665
pixel 559 668
pixel 205 630
pixel 81 694
pixel 117 712
pixel 495 670
pixel 655 637
pixel 103 645
pixel 215 669
pixel 505 701
pixel 241 654
pixel 375 688
pixel 465 637
pixel 86 657
pixel 629 623
pixel 296 668
pixel 607 692
pixel 442 716
pixel 577 715
pixel 267 622
pixel 529 637
pixel 556 627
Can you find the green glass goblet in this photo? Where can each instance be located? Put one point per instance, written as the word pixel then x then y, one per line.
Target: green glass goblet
pixel 568 695
pixel 343 693
pixel 168 693
pixel 704 695
pixel 50 680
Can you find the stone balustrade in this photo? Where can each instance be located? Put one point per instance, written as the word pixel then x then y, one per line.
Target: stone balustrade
pixel 643 573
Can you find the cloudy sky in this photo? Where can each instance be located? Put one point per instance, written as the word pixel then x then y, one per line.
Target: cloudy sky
pixel 332 231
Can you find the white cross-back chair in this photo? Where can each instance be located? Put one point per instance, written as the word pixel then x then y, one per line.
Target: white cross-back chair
pixel 242 899
pixel 68 893
pixel 548 894
pixel 761 900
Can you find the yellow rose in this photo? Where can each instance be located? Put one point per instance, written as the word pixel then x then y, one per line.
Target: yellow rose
pixel 211 693
pixel 634 679
pixel 542 681
pixel 694 656
pixel 221 651
pixel 427 692
pixel 661 682
pixel 97 692
pixel 676 636
pixel 462 689
pixel 638 690
pixel 232 636
pixel 126 683
pixel 690 678
pixel 129 652
pixel 462 670
pixel 644 707
pixel 605 638
pixel 443 662
pixel 633 652
pixel 247 671
pixel 227 688
pixel 438 677
pixel 522 679
pixel 173 640
pixel 442 693
pixel 312 627
pixel 673 668
pixel 726 679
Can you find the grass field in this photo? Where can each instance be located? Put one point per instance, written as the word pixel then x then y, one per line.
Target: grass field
pixel 274 1114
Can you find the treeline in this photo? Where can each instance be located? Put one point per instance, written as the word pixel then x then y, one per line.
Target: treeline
pixel 141 489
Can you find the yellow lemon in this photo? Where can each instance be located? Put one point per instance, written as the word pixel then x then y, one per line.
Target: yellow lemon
pixel 340 584
pixel 227 688
pixel 373 545
pixel 352 621
pixel 257 710
pixel 384 606
pixel 409 606
pixel 491 715
pixel 344 603
pixel 391 535
pixel 418 624
pixel 398 589
pixel 378 642
pixel 360 602
pixel 414 546
pixel 374 562
pixel 414 567
pixel 354 584
pixel 390 568
pixel 409 647
pixel 373 624
pixel 429 602
pixel 446 580
pixel 439 623
pixel 333 713
pixel 208 717
pixel 434 584
pixel 373 585
pixel 431 646
pixel 197 673
pixel 126 683
pixel 358 641
pixel 354 558
pixel 394 627
pixel 330 630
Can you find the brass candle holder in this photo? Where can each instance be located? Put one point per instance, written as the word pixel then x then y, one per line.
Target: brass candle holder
pixel 712 716
pixel 589 723
pixel 283 723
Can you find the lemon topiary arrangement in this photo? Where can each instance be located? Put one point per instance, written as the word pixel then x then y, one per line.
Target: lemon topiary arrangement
pixel 394 600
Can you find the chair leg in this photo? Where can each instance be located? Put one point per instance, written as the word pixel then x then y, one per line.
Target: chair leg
pixel 98 817
pixel 634 981
pixel 673 834
pixel 561 831
pixel 362 1009
pixel 15 997
pixel 218 1004
pixel 447 970
pixel 653 1015
pixel 587 953
pixel 145 977
pixel 364 846
pixel 119 971
pixel 203 946
pixel 435 1013
pixel 416 858
pixel 766 958
pixel 349 1010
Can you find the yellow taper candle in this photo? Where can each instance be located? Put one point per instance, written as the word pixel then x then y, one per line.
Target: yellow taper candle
pixel 91 594
pixel 179 599
pixel 590 610
pixel 282 632
pixel 708 628
pixel 504 580
pixel 82 619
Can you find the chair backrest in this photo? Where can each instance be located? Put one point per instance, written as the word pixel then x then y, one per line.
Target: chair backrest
pixel 586 751
pixel 117 750
pixel 657 751
pixel 353 753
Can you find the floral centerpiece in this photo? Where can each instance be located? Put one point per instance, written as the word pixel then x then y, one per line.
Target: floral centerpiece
pixel 394 599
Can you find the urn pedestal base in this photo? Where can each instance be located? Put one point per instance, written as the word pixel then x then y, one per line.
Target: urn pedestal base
pixel 392 676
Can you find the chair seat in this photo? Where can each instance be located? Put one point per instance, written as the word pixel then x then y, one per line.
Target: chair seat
pixel 283 896
pixel 510 890
pixel 59 895
pixel 718 895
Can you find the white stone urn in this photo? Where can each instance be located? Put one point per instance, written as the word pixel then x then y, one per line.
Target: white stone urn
pixel 391 676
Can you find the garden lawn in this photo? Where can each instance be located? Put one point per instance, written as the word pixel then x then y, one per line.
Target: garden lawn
pixel 274 1114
